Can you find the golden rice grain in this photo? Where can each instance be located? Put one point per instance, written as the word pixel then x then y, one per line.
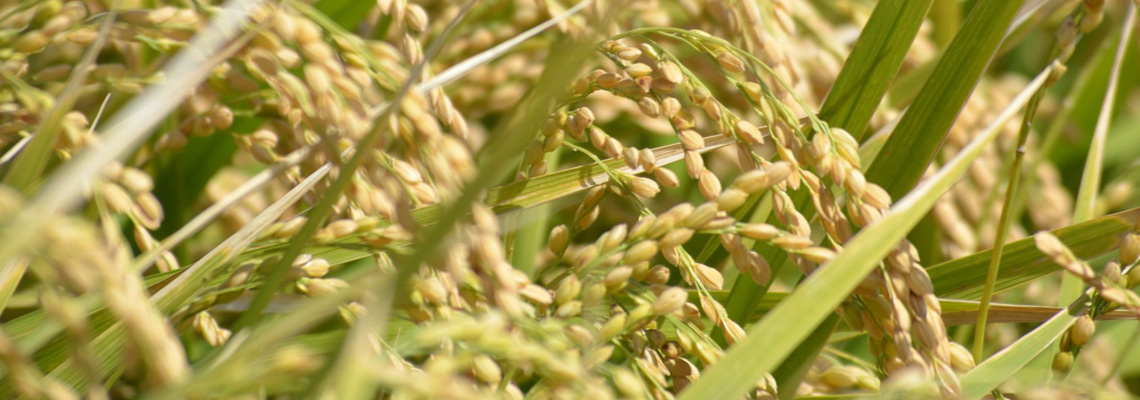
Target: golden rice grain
pixel 644 187
pixel 670 301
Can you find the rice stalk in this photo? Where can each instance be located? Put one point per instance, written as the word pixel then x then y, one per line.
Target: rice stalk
pixel 1091 177
pixel 1065 41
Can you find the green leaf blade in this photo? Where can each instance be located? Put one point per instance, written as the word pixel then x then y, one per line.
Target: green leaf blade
pixel 997 369
pixel 1021 263
pixel 873 63
pixel 792 372
pixel 923 128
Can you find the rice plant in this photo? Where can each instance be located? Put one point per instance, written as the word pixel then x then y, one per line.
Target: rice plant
pixel 556 199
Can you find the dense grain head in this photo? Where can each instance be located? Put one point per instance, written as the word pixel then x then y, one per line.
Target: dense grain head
pixel 511 290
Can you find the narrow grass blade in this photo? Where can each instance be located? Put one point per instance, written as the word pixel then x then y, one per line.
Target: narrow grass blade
pixel 776 335
pixel 793 370
pixel 1081 88
pixel 954 312
pixel 873 63
pixel 907 86
pixel 922 129
pixel 1021 262
pixel 1012 186
pixel 965 312
pixel 997 369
